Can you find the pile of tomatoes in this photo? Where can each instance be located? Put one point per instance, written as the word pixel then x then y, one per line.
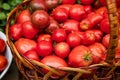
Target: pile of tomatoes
pixel 3 59
pixel 70 34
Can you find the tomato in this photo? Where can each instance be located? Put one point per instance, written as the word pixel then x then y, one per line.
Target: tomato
pixel 54 61
pixel 73 40
pixel 77 12
pixel 3 62
pixel 23 45
pixel 32 54
pixel 44 37
pixel 105 26
pixel 65 6
pixel 88 38
pixel 97 53
pixel 105 40
pixel 52 26
pixel 68 1
pixel 44 48
pixel 80 56
pixel 86 2
pixel 62 49
pixel 38 4
pixel 40 19
pixel 51 3
pixel 88 9
pixel 60 14
pixel 24 16
pixel 29 30
pixel 59 35
pixel 2 46
pixel 98 35
pixel 15 31
pixel 70 25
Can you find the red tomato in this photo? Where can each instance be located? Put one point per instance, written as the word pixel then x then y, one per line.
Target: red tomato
pixel 3 62
pixel 2 46
pixel 73 40
pixel 77 12
pixel 32 54
pixel 104 25
pixel 44 37
pixel 60 14
pixel 97 53
pixel 98 35
pixel 80 56
pixel 88 38
pixel 68 1
pixel 105 40
pixel 54 61
pixel 15 31
pixel 23 45
pixel 44 48
pixel 88 9
pixel 86 2
pixel 65 6
pixel 40 19
pixel 29 30
pixel 24 16
pixel 70 25
pixel 59 35
pixel 62 49
pixel 52 26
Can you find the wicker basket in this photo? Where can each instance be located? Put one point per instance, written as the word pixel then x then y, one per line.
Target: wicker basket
pixel 31 69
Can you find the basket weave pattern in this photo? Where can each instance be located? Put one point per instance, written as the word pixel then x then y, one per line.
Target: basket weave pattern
pixel 32 70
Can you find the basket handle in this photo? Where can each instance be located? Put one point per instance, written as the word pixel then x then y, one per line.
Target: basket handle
pixel 113 20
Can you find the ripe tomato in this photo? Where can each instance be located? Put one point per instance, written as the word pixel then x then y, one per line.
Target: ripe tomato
pixel 68 1
pixel 73 40
pixel 44 48
pixel 52 26
pixel 54 61
pixel 24 16
pixel 98 35
pixel 105 40
pixel 77 12
pixel 15 31
pixel 23 45
pixel 59 35
pixel 44 37
pixel 40 19
pixel 2 46
pixel 32 54
pixel 70 25
pixel 104 25
pixel 88 9
pixel 29 30
pixel 3 62
pixel 86 2
pixel 80 56
pixel 60 14
pixel 62 49
pixel 88 38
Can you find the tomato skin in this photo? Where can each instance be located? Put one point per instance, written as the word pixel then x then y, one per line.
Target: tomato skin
pixel 40 19
pixel 105 40
pixel 44 37
pixel 87 2
pixel 70 25
pixel 80 56
pixel 32 54
pixel 29 30
pixel 88 9
pixel 104 26
pixel 15 31
pixel 2 46
pixel 98 35
pixel 59 35
pixel 60 14
pixel 24 16
pixel 68 1
pixel 77 12
pixel 54 61
pixel 73 40
pixel 3 62
pixel 44 48
pixel 23 45
pixel 62 49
